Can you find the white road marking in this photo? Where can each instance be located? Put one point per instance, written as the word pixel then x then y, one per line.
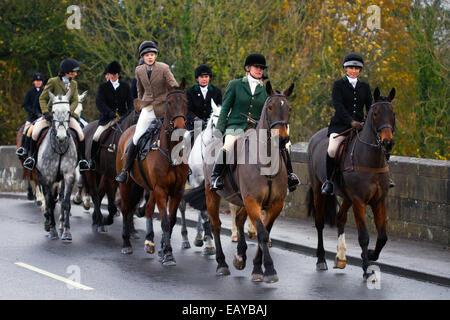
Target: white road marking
pixel 54 276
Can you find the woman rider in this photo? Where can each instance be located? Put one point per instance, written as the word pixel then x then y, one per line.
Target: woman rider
pixel 154 79
pixel 246 95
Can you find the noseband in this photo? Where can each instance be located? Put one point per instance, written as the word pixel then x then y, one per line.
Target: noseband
pixel 378 129
pixel 172 119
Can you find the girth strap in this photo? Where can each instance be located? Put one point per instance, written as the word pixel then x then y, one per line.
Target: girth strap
pixel 372 170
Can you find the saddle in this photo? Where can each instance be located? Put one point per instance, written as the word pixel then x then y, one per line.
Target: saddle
pixel 149 140
pixel 340 158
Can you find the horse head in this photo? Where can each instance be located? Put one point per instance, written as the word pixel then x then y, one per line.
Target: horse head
pixel 61 115
pixel 176 106
pixel 215 112
pixel 79 107
pixel 384 119
pixel 275 114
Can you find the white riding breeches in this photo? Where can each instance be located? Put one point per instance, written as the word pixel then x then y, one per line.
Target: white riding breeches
pixel 230 139
pixel 145 118
pixel 101 129
pixel 334 143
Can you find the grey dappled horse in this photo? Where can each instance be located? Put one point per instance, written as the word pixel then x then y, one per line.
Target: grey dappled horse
pixel 57 160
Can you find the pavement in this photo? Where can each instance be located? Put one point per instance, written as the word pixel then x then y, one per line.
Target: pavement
pixel 419 260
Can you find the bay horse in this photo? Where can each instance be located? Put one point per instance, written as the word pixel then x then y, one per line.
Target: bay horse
pixel 254 190
pixel 102 181
pixel 363 180
pixel 57 159
pixel 157 173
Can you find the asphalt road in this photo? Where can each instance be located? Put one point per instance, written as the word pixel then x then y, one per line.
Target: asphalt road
pixel 35 267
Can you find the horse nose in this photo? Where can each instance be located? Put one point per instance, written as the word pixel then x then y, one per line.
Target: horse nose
pixel 179 123
pixel 388 144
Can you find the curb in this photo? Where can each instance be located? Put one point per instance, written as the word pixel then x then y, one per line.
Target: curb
pixel 310 251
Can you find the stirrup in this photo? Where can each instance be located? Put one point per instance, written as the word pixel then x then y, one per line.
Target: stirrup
pixel 214 186
pixel 29 163
pixel 83 164
pixel 91 164
pixel 293 182
pixel 324 185
pixel 122 177
pixel 21 152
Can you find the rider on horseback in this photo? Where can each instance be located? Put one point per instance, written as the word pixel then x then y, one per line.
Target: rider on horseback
pixel 199 97
pixel 349 96
pixel 31 105
pixel 246 95
pixel 153 82
pixel 113 101
pixel 59 85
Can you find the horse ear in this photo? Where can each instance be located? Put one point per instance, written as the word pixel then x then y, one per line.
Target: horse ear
pixel 289 90
pixel 269 89
pixel 376 94
pixel 391 94
pixel 183 83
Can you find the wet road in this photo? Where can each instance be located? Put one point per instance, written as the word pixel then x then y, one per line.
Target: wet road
pixel 34 267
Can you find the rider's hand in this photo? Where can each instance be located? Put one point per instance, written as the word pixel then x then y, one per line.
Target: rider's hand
pixel 356 125
pixel 48 116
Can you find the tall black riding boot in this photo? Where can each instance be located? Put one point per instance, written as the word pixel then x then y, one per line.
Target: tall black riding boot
pixel 327 187
pixel 94 155
pixel 293 180
pixel 30 162
pixel 131 155
pixel 83 164
pixel 22 152
pixel 216 176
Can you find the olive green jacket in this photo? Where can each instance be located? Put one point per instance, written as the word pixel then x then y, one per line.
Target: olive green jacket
pixel 239 99
pixel 56 86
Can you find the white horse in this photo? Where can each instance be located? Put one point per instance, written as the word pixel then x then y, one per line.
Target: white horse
pixel 196 196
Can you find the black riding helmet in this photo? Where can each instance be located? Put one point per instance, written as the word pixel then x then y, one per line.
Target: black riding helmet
pixel 255 59
pixel 148 46
pixel 38 76
pixel 353 60
pixel 69 65
pixel 203 69
pixel 113 68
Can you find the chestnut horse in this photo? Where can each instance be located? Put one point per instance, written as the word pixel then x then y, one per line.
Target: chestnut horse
pixel 363 180
pixel 158 174
pixel 254 190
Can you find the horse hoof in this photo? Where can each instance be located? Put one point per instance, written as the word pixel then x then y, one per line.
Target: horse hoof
pixel 234 239
pixel 169 260
pixel 251 235
pixel 86 207
pixel 185 244
pixel 102 229
pixel 370 277
pixel 321 266
pixel 149 247
pixel 257 277
pixel 209 251
pixel 53 234
pixel 271 278
pixel 198 242
pixel 38 203
pixel 223 271
pixel 30 196
pixel 77 200
pixel 66 237
pixel 127 250
pixel 238 262
pixel 339 264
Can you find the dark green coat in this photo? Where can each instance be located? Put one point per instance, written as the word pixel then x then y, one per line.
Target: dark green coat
pixel 238 98
pixel 56 86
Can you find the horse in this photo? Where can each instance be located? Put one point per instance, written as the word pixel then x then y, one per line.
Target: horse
pixel 102 181
pixel 362 179
pixel 57 159
pixel 253 188
pixel 158 173
pixel 196 196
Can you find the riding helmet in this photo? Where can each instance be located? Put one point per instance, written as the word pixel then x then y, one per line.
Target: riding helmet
pixel 38 76
pixel 148 46
pixel 113 68
pixel 203 69
pixel 69 65
pixel 353 60
pixel 255 59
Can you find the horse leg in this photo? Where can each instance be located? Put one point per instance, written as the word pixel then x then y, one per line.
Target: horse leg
pixel 149 244
pixel 50 200
pixel 130 194
pixel 30 194
pixel 379 213
pixel 319 204
pixel 198 242
pixel 65 209
pixel 213 203
pixel 78 197
pixel 184 234
pixel 100 220
pixel 209 249
pixel 340 260
pixel 240 257
pixel 112 209
pixel 166 255
pixel 359 210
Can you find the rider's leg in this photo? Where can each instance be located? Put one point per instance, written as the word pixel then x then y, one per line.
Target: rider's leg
pixel 94 146
pixel 145 118
pixel 333 144
pixel 39 125
pixel 83 164
pixel 22 151
pixel 293 180
pixel 220 163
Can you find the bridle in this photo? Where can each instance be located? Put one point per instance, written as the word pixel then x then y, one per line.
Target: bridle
pixel 278 122
pixel 172 119
pixel 55 126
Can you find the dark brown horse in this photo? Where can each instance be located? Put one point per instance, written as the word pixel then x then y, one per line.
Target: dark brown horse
pixel 159 174
pixel 102 181
pixel 363 180
pixel 255 189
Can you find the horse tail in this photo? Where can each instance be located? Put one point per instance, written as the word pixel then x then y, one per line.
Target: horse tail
pixel 330 207
pixel 196 197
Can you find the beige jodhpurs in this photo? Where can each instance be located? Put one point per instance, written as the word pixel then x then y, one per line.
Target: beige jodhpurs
pixel 333 144
pixel 101 129
pixel 42 123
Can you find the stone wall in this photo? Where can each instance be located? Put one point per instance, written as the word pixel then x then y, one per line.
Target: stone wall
pixel 11 171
